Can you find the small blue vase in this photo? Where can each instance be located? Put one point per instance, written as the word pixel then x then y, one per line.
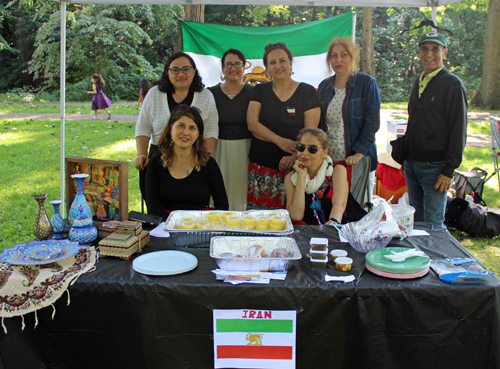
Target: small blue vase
pixel 80 199
pixel 83 230
pixel 57 221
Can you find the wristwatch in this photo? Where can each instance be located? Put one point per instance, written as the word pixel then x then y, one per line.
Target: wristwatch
pixel 333 220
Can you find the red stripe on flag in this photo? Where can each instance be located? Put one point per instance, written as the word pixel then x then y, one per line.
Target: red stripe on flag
pixel 254 352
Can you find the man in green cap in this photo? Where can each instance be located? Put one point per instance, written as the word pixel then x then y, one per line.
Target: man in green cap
pixel 437 131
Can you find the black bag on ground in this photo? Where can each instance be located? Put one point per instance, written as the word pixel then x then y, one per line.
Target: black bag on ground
pixel 474 219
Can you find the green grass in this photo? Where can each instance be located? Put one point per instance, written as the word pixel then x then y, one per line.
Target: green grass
pixel 30 152
pixel 80 108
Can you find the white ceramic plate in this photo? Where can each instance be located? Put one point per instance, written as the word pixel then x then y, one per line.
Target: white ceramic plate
pixel 168 262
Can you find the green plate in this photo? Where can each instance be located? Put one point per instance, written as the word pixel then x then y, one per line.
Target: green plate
pixel 414 264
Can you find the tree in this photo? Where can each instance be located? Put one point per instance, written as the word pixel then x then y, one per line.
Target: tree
pixel 488 95
pixel 368 60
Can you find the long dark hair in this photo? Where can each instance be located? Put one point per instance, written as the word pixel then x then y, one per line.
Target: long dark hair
pixel 199 147
pixel 144 86
pixel 98 80
pixel 164 84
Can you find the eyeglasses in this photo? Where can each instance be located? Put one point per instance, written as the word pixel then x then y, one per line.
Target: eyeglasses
pixel 313 149
pixel 184 107
pixel 175 70
pixel 269 45
pixel 229 65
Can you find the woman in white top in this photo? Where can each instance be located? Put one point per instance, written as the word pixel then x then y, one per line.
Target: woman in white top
pixel 179 84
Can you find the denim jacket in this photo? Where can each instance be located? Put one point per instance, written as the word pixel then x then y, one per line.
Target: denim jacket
pixel 360 111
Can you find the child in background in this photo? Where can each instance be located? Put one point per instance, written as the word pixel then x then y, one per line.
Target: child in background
pixel 99 100
pixel 144 88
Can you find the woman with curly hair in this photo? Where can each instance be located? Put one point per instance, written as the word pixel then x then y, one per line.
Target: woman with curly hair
pixel 183 175
pixel 180 83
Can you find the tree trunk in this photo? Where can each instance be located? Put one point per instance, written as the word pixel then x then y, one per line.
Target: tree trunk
pixel 488 96
pixel 368 59
pixel 194 13
pixel 23 43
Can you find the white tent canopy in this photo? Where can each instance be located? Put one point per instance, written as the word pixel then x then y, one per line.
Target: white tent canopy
pixel 371 3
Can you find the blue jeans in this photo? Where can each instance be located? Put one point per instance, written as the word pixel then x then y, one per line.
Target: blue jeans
pixel 429 203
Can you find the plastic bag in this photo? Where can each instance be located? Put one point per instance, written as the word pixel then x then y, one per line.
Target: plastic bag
pixel 465 270
pixel 372 223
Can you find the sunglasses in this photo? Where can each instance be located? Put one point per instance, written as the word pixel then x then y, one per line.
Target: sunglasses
pixel 269 45
pixel 184 108
pixel 313 149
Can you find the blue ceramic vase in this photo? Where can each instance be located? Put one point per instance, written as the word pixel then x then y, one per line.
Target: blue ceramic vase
pixel 74 211
pixel 83 230
pixel 57 221
pixel 42 229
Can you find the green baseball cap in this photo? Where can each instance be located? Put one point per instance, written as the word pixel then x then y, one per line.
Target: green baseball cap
pixel 438 38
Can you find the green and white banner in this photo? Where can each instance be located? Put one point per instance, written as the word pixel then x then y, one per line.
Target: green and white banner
pixel 254 338
pixel 308 42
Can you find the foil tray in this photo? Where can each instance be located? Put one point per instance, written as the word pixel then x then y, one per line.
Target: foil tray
pixel 220 247
pixel 201 237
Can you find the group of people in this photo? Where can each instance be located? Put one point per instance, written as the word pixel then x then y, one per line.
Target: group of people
pixel 280 144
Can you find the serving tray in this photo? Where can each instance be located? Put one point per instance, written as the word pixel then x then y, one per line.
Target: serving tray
pixel 40 252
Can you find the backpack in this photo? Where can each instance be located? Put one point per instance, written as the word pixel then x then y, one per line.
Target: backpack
pixel 474 219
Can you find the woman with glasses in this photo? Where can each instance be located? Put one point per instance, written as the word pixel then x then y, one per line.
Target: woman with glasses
pixel 232 98
pixel 277 112
pixel 316 191
pixel 350 106
pixel 180 83
pixel 183 176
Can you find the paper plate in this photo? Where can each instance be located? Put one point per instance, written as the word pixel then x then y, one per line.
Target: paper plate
pixel 378 261
pixel 168 262
pixel 397 275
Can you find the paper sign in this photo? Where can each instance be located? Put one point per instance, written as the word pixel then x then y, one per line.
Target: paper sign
pixel 254 338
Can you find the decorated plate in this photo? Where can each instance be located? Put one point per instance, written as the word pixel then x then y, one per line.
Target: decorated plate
pixel 168 262
pixel 40 252
pixel 414 264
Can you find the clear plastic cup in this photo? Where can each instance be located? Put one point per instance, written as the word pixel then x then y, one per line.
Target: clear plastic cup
pixel 233 220
pixel 213 216
pixel 218 224
pixel 249 220
pixel 187 224
pixel 201 222
pixel 260 227
pixel 264 220
pixel 278 221
pixel 274 227
pixel 226 214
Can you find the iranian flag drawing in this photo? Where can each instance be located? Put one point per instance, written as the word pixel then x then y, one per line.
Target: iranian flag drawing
pixel 254 338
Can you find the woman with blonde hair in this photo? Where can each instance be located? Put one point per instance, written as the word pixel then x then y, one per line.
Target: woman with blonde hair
pixel 350 106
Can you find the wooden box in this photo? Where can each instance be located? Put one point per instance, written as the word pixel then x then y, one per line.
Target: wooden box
pixel 129 227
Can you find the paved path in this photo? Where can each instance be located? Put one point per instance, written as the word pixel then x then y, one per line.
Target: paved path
pixel 473 140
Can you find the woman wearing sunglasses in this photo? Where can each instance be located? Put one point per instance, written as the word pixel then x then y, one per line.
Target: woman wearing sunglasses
pixel 350 106
pixel 180 83
pixel 232 98
pixel 277 112
pixel 316 191
pixel 183 176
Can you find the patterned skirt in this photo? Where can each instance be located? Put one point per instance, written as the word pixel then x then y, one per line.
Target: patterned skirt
pixel 266 187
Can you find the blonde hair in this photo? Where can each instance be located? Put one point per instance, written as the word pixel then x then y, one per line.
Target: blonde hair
pixel 352 50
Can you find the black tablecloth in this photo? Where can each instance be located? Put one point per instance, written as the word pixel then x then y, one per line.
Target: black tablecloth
pixel 119 318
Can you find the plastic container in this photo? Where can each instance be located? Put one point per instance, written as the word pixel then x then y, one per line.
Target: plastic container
pixel 404 216
pixel 343 264
pixel 319 244
pixel 364 243
pixel 319 263
pixel 337 254
pixel 318 254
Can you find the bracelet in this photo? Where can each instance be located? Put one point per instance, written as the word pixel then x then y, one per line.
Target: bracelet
pixel 334 220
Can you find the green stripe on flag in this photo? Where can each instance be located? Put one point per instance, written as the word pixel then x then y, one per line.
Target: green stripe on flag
pixel 252 325
pixel 303 39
